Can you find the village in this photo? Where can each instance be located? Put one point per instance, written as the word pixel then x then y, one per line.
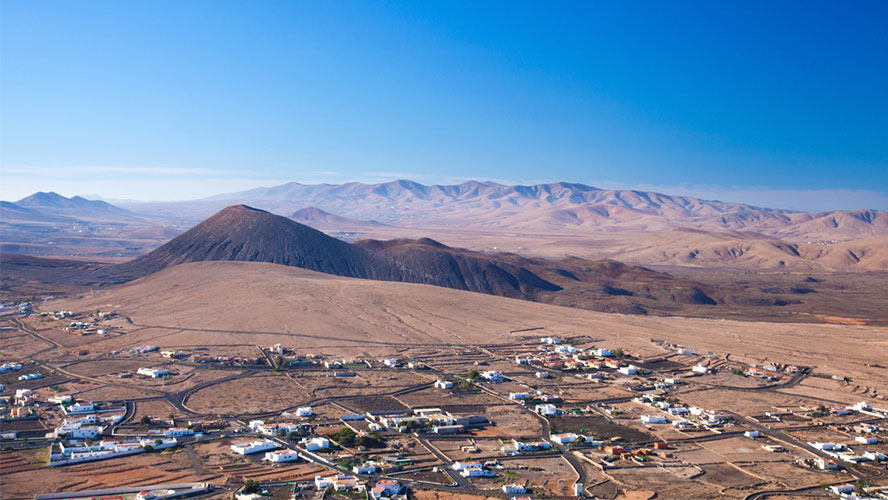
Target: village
pixel 544 416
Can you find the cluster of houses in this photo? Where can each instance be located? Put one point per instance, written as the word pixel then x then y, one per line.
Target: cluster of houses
pixel 845 453
pixel 557 355
pixel 386 488
pixel 519 447
pixel 684 416
pixel 10 367
pixel 13 308
pixel 89 426
pixel 435 420
pixel 226 360
pixel 77 451
pixel 145 349
pixel 82 327
pixel 471 469
pixel 284 428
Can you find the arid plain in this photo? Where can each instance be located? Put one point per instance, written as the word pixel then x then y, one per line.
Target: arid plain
pixel 640 346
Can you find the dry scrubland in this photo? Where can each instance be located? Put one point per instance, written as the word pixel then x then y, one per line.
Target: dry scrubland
pixel 219 303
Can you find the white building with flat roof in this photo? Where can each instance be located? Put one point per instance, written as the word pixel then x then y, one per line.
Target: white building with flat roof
pixel 280 456
pixel 152 372
pixel 253 447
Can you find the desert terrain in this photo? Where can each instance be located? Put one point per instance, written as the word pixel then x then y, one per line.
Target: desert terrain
pixel 554 340
pixel 378 350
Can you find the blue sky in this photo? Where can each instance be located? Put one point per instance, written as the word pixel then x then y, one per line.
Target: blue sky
pixel 776 103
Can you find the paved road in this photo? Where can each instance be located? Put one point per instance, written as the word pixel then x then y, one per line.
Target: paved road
pixel 778 435
pixel 814 491
pixel 571 459
pixel 462 482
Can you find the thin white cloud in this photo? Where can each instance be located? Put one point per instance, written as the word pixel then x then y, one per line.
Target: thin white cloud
pixel 85 170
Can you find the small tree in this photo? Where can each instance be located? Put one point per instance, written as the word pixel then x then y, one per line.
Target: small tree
pixel 251 486
pixel 619 352
pixel 145 420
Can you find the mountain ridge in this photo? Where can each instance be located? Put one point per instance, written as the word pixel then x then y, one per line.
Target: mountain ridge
pixel 52 203
pixel 565 206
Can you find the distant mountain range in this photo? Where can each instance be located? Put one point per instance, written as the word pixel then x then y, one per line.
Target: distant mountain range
pixel 315 217
pixel 634 227
pixel 558 206
pixel 76 207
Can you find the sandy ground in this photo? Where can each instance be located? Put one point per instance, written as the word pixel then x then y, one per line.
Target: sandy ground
pixel 218 303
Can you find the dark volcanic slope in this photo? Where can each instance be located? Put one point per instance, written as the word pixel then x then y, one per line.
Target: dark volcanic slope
pixel 432 263
pixel 242 233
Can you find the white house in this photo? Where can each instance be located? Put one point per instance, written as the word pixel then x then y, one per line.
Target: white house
pixel 6 367
pixel 604 353
pixel 391 363
pixel 79 408
pixel 546 409
pixel 566 349
pixel 87 431
pixel 550 340
pixel 178 432
pixel 253 447
pixel 751 434
pixel 514 488
pixel 475 470
pixel 628 370
pixel 861 406
pixel 842 488
pixel 700 369
pixel 565 438
pixel 678 410
pixel 277 429
pixel 822 446
pixel 541 374
pixel 653 419
pixel 867 439
pixel 519 446
pixel 23 393
pixel 366 468
pixel 60 398
pixel 304 411
pixel 152 372
pixel 519 395
pixel 280 456
pixel 316 443
pixel 522 360
pixel 492 376
pixel 256 424
pixel 443 384
pixel 824 464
